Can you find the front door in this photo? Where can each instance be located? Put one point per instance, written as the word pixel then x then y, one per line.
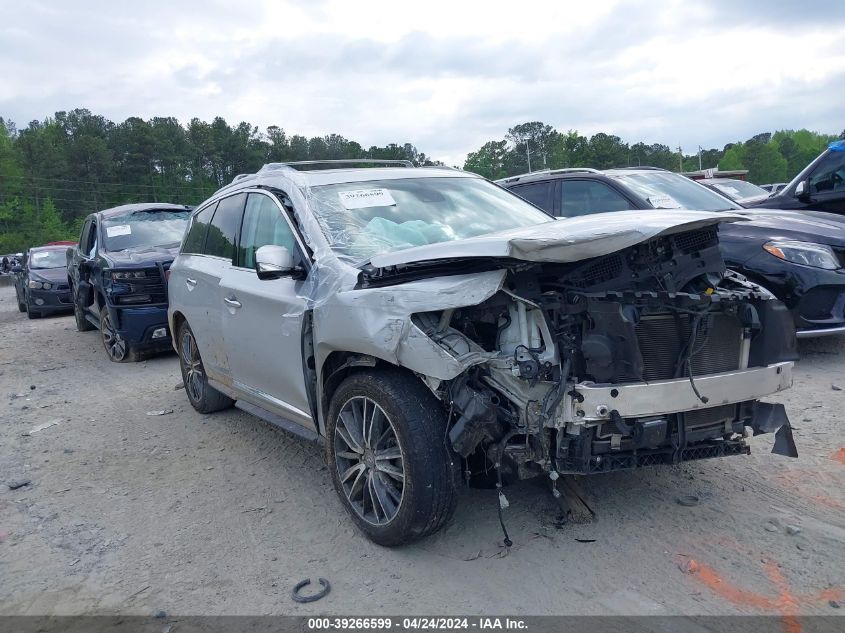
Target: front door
pixel 262 319
pixel 827 183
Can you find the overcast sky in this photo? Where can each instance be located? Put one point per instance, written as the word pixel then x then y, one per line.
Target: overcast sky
pixel 444 75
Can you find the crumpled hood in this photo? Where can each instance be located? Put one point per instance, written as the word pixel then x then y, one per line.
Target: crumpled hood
pixel 822 228
pixel 143 256
pixel 565 240
pixel 50 274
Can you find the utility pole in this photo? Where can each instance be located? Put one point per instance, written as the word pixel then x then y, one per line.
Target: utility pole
pixel 699 158
pixel 680 159
pixel 528 153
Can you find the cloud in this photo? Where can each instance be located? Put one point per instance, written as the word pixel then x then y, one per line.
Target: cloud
pixel 445 76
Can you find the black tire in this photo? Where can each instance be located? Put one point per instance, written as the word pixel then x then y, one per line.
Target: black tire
pixel 202 396
pixel 82 324
pixel 21 306
pixel 430 470
pixel 117 349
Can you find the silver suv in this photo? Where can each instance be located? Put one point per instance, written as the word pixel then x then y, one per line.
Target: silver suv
pixel 429 326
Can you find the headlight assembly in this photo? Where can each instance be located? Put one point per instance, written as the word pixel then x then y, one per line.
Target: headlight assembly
pixel 123 275
pixel 34 283
pixel 806 253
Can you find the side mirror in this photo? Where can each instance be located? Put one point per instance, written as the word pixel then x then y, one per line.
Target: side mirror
pixel 272 262
pixel 802 189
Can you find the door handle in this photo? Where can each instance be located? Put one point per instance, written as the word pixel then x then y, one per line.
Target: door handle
pixel 191 282
pixel 232 303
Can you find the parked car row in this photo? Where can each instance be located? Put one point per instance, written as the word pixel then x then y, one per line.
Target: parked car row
pixel 427 325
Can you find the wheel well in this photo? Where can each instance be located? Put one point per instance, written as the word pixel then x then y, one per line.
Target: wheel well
pixel 339 365
pixel 178 319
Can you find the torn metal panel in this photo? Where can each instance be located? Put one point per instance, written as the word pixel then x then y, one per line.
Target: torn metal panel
pixel 377 321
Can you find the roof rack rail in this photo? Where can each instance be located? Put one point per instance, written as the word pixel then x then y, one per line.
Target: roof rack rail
pixel 338 162
pixel 574 170
pixel 539 172
pixel 641 167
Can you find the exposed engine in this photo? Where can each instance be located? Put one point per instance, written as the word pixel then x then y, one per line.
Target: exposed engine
pixel 630 359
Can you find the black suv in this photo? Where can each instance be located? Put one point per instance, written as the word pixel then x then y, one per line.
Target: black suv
pixel 800 257
pixel 820 187
pixel 117 275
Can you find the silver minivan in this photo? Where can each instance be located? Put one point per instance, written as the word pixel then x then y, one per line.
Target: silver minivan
pixel 428 326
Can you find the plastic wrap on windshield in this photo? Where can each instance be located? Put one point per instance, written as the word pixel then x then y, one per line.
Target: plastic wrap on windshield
pixel 348 230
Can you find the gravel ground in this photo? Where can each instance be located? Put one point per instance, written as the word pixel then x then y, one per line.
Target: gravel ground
pixel 221 514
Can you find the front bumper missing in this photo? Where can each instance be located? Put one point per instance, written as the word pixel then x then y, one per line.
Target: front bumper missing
pixel 597 402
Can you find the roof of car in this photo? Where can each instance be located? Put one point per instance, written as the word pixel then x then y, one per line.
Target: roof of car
pixel 573 172
pixel 714 181
pixel 51 247
pixel 141 206
pixel 282 174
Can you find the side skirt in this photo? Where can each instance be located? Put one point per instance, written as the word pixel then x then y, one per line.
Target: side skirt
pixel 278 421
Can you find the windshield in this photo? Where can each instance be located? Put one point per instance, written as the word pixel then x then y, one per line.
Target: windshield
pixel 47 259
pixel 145 229
pixel 363 219
pixel 738 189
pixel 665 190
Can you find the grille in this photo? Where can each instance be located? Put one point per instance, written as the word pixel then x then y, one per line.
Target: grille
pixel 605 269
pixel 662 337
pixel 696 240
pixel 706 417
pixel 152 285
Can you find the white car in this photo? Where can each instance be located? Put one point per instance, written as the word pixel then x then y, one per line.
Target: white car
pixel 427 324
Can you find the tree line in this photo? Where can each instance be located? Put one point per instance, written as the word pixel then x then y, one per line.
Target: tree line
pixel 531 146
pixel 56 171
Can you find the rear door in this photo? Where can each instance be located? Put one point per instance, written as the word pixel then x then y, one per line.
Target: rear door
pixel 537 193
pixel 201 273
pixel 585 197
pixel 262 319
pixel 192 285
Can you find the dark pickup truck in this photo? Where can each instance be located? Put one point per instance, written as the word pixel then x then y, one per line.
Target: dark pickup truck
pixel 118 275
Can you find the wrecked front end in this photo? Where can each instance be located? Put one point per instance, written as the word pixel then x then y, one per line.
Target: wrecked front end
pixel 652 354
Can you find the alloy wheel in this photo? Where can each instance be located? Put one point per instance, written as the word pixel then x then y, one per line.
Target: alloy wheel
pixel 192 365
pixel 115 345
pixel 369 460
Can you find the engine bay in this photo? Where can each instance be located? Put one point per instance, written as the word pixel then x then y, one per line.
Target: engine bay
pixel 603 364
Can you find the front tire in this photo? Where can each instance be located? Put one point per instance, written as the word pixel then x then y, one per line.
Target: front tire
pixel 21 306
pixel 30 313
pixel 117 348
pixel 388 456
pixel 202 396
pixel 82 323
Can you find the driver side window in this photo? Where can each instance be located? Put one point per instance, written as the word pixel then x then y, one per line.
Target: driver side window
pixel 89 235
pixel 263 224
pixel 830 174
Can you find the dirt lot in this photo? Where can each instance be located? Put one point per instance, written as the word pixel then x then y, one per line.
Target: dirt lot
pixel 214 514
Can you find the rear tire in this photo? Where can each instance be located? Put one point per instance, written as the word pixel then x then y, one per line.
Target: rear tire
pixel 202 396
pixel 388 457
pixel 117 348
